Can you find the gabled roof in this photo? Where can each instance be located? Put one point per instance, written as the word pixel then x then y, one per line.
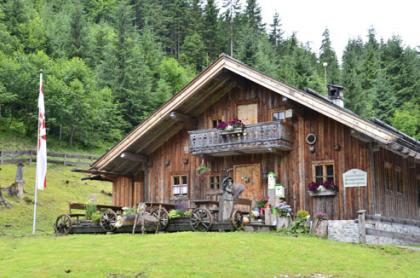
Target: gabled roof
pixel 394 140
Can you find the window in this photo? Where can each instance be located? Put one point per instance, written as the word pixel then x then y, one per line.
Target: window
pixel 214 182
pixel 323 171
pixel 215 123
pixel 278 115
pixel 388 176
pixel 180 186
pixel 398 180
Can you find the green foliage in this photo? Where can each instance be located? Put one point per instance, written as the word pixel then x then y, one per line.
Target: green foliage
pixel 300 224
pixel 303 214
pixel 129 211
pixel 90 209
pixel 110 64
pixel 176 213
pixel 407 119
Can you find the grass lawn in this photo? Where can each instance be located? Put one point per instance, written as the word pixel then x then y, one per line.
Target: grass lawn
pixel 63 186
pixel 198 255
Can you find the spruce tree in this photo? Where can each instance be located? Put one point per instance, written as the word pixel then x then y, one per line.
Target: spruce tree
pixel 253 16
pixel 210 35
pixel 276 33
pixel 351 77
pixel 327 55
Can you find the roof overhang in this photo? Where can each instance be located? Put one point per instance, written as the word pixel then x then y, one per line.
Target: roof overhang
pixel 226 63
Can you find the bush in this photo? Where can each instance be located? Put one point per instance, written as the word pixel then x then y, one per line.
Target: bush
pixel 90 209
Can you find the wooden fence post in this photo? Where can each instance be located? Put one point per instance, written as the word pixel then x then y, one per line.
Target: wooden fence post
pixel 362 226
pixel 64 162
pixel 30 157
pixel 1 156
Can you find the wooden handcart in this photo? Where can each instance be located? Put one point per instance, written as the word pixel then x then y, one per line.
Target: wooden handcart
pixel 225 208
pixel 157 216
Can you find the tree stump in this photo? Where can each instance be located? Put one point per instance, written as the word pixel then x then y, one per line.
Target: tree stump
pixel 3 201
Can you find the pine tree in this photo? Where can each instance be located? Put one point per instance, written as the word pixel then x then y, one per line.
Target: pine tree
pixel 253 16
pixel 276 33
pixel 230 17
pixel 210 36
pixel 327 55
pixel 77 40
pixel 351 77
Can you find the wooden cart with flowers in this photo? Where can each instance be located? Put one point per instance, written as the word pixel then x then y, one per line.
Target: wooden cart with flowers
pixel 93 218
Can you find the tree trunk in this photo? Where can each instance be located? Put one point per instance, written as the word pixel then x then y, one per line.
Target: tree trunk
pixel 73 129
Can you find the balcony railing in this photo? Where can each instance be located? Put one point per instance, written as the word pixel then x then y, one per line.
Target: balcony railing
pixel 255 138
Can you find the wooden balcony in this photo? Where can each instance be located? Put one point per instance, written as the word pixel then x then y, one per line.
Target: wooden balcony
pixel 256 138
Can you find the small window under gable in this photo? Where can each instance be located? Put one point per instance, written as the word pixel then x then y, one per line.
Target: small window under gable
pixel 278 115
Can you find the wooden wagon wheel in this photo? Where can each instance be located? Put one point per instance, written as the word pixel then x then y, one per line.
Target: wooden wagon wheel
pixel 63 224
pixel 237 220
pixel 201 219
pixel 164 216
pixel 108 220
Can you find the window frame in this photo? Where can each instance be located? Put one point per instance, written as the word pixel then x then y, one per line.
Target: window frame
pixel 210 183
pixel 324 164
pixel 181 185
pixel 277 110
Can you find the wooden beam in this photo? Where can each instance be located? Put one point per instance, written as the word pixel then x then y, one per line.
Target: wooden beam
pixel 134 157
pixel 188 121
pixel 93 171
pixel 360 136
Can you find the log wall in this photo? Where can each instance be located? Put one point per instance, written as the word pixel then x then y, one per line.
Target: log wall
pixel 294 168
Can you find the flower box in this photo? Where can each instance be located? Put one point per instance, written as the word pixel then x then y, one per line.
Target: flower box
pixel 322 193
pixel 236 130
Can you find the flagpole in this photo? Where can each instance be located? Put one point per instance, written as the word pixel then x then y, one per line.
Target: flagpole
pixel 36 187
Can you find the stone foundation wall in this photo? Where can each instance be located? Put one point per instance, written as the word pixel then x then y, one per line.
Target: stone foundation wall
pixel 348 231
pixel 343 230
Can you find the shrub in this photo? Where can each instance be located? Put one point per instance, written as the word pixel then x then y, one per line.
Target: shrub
pixel 303 214
pixel 90 209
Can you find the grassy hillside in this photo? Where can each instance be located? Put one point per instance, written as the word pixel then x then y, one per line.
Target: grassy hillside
pixel 15 140
pixel 191 254
pixel 63 186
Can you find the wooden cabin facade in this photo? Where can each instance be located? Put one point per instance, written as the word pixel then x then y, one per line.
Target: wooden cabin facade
pixel 299 135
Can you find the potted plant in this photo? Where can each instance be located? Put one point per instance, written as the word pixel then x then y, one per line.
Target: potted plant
pixel 231 127
pixel 203 170
pixel 283 214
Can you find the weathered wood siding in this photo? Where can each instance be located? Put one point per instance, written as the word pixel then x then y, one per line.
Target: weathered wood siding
pixel 294 168
pixel 390 202
pixel 334 143
pixel 126 192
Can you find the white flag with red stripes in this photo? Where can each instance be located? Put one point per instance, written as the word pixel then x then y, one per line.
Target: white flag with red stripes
pixel 41 156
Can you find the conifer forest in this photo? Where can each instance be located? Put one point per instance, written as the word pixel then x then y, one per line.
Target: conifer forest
pixel 108 64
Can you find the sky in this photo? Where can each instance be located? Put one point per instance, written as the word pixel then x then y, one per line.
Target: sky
pixel 346 19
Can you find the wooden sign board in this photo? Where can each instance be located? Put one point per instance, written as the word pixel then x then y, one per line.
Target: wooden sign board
pixel 355 178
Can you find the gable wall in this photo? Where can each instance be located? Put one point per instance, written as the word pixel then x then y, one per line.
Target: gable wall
pixel 294 168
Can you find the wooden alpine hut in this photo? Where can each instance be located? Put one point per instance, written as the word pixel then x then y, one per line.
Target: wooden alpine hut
pixel 233 120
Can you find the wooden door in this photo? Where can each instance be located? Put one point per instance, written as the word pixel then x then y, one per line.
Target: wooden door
pixel 248 113
pixel 249 175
